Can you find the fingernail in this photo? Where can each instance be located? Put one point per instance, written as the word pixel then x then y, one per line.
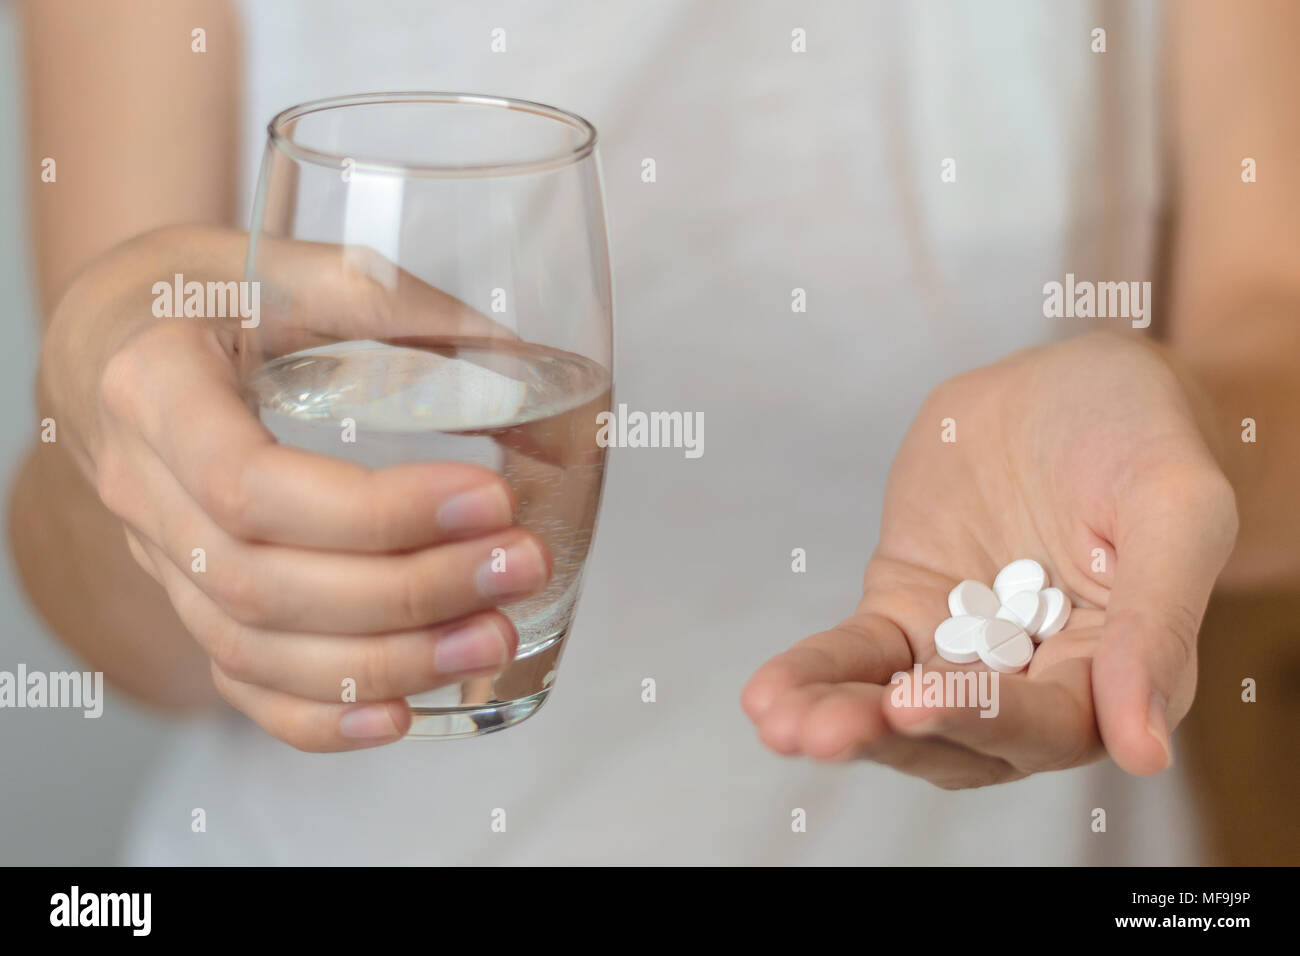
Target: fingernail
pixel 474 647
pixel 1158 727
pixel 476 510
pixel 521 569
pixel 370 721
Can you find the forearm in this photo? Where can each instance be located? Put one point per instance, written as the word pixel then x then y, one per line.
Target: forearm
pixel 73 561
pixel 1251 402
pixel 1234 294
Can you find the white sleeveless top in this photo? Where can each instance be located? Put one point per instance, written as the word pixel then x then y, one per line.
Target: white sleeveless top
pixel 775 170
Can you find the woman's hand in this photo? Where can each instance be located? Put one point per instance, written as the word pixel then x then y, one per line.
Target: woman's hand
pixel 314 570
pixel 1086 456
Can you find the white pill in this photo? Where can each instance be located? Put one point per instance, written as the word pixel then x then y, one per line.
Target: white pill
pixel 958 639
pixel 973 599
pixel 1056 611
pixel 1026 609
pixel 1006 647
pixel 1026 574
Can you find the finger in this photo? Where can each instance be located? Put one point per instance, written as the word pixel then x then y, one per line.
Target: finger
pixel 320 293
pixel 347 293
pixel 314 726
pixel 839 722
pixel 866 647
pixel 340 293
pixel 780 726
pixel 557 441
pixel 277 588
pixel 1173 538
pixel 323 666
pixel 258 490
pixel 274 588
pixel 336 292
pixel 1034 724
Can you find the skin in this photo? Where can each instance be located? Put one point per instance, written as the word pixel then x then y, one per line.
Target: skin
pixel 1106 454
pixel 298 547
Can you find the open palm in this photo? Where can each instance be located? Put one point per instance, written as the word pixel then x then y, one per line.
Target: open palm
pixel 1086 456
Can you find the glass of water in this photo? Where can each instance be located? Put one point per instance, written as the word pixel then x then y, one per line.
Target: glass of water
pixel 472 231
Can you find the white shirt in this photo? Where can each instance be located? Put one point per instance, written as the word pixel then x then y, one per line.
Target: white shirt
pixel 776 170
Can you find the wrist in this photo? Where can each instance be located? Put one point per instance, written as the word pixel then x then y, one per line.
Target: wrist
pixel 98 313
pixel 1204 407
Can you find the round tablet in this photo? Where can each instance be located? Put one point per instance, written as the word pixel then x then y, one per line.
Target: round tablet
pixel 958 638
pixel 1025 574
pixel 1006 647
pixel 1056 611
pixel 973 599
pixel 1026 609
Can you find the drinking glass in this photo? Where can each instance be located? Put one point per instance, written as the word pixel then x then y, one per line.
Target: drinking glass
pixel 434 285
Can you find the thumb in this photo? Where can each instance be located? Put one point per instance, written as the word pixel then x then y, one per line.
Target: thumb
pixel 1173 537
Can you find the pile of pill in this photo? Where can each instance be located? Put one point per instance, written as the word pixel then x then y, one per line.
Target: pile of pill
pixel 1001 625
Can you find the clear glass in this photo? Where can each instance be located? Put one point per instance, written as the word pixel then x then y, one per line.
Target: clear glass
pixel 434 272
